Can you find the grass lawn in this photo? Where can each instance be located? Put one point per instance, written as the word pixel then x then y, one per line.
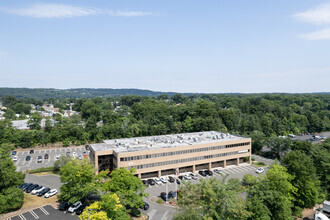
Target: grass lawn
pixel 31 201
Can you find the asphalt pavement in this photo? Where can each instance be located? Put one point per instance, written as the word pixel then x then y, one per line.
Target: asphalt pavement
pixel 22 164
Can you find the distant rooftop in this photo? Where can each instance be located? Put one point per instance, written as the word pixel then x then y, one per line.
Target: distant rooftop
pixel 164 141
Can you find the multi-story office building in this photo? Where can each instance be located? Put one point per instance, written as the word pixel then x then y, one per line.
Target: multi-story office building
pixel 169 154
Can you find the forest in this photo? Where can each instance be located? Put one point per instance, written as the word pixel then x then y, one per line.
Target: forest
pixel 259 117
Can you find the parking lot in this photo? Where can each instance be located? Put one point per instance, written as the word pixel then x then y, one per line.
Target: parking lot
pixel 47 212
pixel 22 164
pixel 162 212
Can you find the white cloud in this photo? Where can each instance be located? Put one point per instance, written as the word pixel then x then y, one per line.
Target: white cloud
pixel 67 11
pixel 317 35
pixel 318 15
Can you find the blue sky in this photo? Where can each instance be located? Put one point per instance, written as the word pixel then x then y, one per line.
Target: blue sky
pixel 212 46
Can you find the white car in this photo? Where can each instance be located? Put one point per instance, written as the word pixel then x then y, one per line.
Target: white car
pixel 57 157
pixel 193 176
pixel 74 207
pixel 15 158
pixel 187 177
pixel 80 157
pixel 163 179
pixel 50 193
pixel 158 182
pixel 74 154
pixel 218 171
pixel 260 170
pixel 36 190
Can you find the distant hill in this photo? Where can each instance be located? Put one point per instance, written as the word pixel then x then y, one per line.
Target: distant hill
pixel 75 93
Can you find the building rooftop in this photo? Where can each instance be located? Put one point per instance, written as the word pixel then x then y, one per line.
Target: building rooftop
pixel 164 141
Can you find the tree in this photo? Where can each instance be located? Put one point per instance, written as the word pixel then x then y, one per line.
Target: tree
pixel 78 178
pixel 258 141
pixel 278 146
pixel 129 188
pixel 94 211
pixel 250 180
pixel 210 199
pixel 301 167
pixel 35 121
pixel 63 160
pixel 274 195
pixel 11 197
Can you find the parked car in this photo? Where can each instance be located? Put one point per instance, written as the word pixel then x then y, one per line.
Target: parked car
pixel 80 209
pixel 20 186
pixel 74 207
pixel 31 151
pixel 157 181
pixel 39 160
pixel 151 182
pixel 187 177
pixel 57 157
pixel 87 147
pixel 28 158
pixel 30 188
pixel 26 186
pixel 209 172
pixel 37 189
pixel 80 157
pixel 68 153
pixel 193 176
pixel 46 156
pixel 74 154
pixel 202 173
pixel 145 182
pixel 163 179
pixel 15 158
pixel 171 179
pixel 217 171
pixel 260 170
pixel 171 194
pixel 43 192
pixel 64 206
pixel 146 206
pixel 181 177
pixel 50 193
pixel 164 196
pixel 13 152
pixel 178 181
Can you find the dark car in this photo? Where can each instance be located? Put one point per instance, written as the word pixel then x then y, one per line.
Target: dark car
pixel 171 179
pixel 14 152
pixel 87 147
pixel 65 206
pixel 26 186
pixel 145 182
pixel 23 185
pixel 80 209
pixel 202 173
pixel 178 181
pixel 30 188
pixel 28 158
pixel 209 172
pixel 146 206
pixel 31 151
pixel 46 156
pixel 171 194
pixel 151 182
pixel 181 177
pixel 164 196
pixel 43 192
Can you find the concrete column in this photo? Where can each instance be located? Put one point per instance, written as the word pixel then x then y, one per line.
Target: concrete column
pixel 224 164
pixel 96 162
pixel 210 165
pixel 237 162
pixel 159 173
pixel 250 160
pixel 194 168
pixel 139 175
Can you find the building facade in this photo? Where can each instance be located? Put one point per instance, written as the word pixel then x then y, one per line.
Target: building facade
pixel 156 156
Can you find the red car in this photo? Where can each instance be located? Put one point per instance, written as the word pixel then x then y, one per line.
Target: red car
pixel 46 156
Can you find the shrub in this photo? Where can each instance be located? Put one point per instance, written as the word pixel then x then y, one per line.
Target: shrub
pixel 42 169
pixel 160 201
pixel 259 164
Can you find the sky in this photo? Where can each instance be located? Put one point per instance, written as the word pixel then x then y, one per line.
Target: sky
pixel 204 46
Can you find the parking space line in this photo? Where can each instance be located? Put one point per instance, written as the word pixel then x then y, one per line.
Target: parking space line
pixel 164 216
pixel 44 210
pixel 22 217
pixel 152 213
pixel 34 214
